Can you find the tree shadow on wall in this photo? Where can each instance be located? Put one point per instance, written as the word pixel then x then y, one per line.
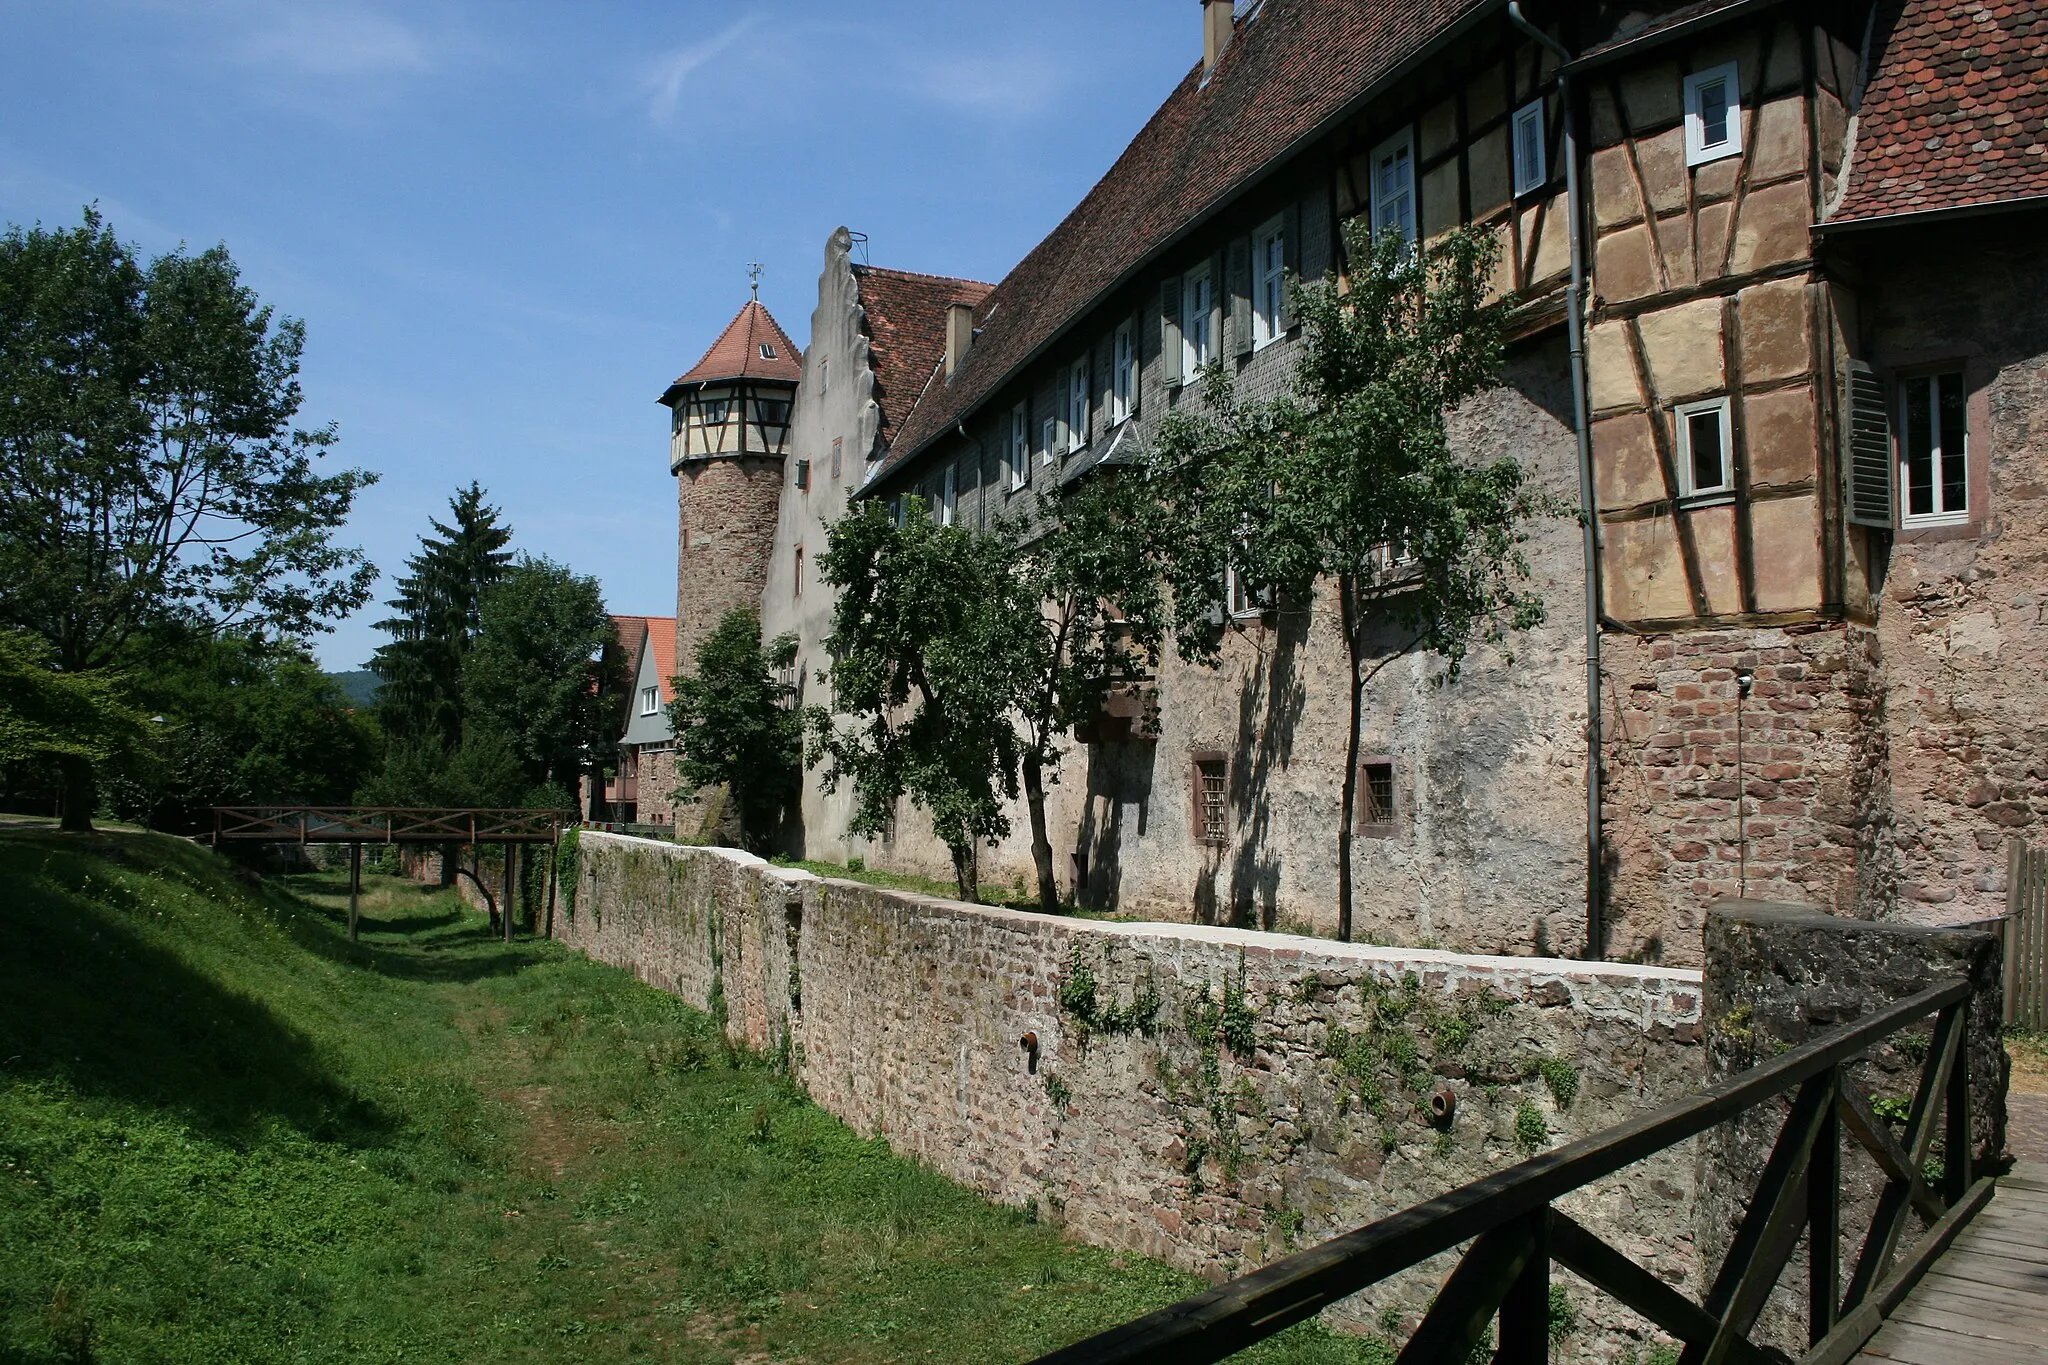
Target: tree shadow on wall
pixel 1270 701
pixel 1120 777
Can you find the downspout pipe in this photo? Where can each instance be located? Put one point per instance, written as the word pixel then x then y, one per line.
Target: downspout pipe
pixel 1575 331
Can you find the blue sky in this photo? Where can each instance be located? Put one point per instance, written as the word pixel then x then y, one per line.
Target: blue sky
pixel 508 225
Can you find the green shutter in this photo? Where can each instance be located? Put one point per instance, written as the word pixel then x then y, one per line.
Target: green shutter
pixel 1867 472
pixel 1239 277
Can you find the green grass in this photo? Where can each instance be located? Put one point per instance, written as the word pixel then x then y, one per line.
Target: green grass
pixel 227 1134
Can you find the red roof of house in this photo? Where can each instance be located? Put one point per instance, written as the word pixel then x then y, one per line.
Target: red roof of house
pixel 1292 67
pixel 752 346
pixel 656 632
pixel 906 326
pixel 1956 112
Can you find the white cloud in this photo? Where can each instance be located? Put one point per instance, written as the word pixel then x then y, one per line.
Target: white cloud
pixel 333 41
pixel 1013 84
pixel 671 72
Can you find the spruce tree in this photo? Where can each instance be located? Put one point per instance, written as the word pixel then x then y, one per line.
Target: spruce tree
pixel 437 614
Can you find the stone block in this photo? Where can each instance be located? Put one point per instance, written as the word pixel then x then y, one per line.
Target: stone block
pixel 1683 347
pixel 1440 199
pixel 1438 128
pixel 1553 239
pixel 1665 179
pixel 1674 241
pixel 1626 470
pixel 1778 431
pixel 1610 367
pixel 1778 148
pixel 1642 574
pixel 1785 534
pixel 1775 227
pixel 1616 200
pixel 1486 97
pixel 1716 180
pixel 1711 249
pixel 1652 95
pixel 1622 265
pixel 1713 537
pixel 1487 161
pixel 1773 330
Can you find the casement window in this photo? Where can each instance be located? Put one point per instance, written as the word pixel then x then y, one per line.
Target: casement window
pixel 1379 810
pixel 1197 321
pixel 1241 599
pixel 947 493
pixel 838 443
pixel 1079 395
pixel 767 351
pixel 1212 798
pixel 1934 451
pixel 1017 464
pixel 771 412
pixel 650 700
pixel 1713 115
pixel 1393 186
pixel 714 411
pixel 1532 171
pixel 1123 373
pixel 803 476
pixel 1269 283
pixel 1706 451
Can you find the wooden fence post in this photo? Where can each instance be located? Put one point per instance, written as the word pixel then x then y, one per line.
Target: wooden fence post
pixel 2026 936
pixel 507 908
pixel 355 885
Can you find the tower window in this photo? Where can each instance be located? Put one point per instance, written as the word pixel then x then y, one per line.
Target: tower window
pixel 1713 115
pixel 767 351
pixel 1706 457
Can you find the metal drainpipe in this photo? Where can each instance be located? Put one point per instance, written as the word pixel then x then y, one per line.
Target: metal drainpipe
pixel 1575 325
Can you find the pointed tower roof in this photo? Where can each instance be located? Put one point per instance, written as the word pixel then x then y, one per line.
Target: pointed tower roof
pixel 753 346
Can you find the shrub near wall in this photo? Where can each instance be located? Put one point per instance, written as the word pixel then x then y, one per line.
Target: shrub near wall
pixel 1214 1097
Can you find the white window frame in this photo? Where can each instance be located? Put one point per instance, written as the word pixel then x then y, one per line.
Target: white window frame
pixel 1698 151
pixel 1395 208
pixel 1080 402
pixel 650 700
pixel 1018 463
pixel 1942 515
pixel 1681 416
pixel 948 491
pixel 1123 372
pixel 1197 324
pixel 1049 441
pixel 1532 166
pixel 1269 283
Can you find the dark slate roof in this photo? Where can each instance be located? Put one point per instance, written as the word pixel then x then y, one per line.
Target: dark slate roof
pixel 737 352
pixel 1956 112
pixel 906 326
pixel 1294 66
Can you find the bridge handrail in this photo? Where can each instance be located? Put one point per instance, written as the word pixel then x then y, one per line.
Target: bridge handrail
pixel 390 824
pixel 1518 1233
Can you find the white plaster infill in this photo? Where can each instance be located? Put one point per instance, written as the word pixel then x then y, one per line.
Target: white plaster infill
pixel 1643 995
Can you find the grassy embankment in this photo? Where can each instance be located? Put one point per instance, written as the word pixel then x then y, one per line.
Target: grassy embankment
pixel 225 1134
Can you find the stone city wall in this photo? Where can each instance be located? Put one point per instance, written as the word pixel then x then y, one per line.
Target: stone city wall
pixel 1211 1096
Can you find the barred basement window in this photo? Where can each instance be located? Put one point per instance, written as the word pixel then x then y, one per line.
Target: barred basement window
pixel 1378 812
pixel 1212 800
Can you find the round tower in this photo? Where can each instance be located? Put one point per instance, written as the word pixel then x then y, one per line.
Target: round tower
pixel 728 429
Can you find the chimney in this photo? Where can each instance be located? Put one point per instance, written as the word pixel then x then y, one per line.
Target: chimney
pixel 959 334
pixel 1218 27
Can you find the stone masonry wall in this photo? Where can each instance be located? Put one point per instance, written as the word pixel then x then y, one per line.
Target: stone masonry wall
pixel 726 511
pixel 1812 778
pixel 1211 1096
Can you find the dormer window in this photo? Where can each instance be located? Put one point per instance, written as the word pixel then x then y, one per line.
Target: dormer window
pixel 650 700
pixel 767 351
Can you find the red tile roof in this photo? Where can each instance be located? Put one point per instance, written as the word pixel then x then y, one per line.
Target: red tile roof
pixel 737 354
pixel 656 632
pixel 1956 112
pixel 906 326
pixel 1292 68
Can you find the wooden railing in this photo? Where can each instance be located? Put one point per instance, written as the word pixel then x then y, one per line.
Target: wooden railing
pixel 1516 1234
pixel 389 824
pixel 2026 937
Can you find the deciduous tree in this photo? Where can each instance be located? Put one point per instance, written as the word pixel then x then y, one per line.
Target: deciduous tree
pixel 532 675
pixel 1348 483
pixel 735 726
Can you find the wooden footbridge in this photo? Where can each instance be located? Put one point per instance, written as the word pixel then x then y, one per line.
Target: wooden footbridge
pixel 360 825
pixel 1972 1289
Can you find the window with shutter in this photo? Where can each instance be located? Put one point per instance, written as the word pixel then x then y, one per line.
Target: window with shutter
pixel 1393 186
pixel 803 476
pixel 1269 283
pixel 1531 173
pixel 1197 321
pixel 1018 461
pixel 1868 469
pixel 1934 467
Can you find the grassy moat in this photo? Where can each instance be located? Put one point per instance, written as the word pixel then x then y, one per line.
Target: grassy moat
pixel 227 1134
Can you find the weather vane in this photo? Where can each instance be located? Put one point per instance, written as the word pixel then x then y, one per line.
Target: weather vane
pixel 754 276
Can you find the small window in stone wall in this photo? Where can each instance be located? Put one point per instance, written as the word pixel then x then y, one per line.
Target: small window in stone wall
pixel 1379 802
pixel 838 443
pixel 1706 453
pixel 1934 465
pixel 796 586
pixel 1713 115
pixel 803 476
pixel 1212 798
